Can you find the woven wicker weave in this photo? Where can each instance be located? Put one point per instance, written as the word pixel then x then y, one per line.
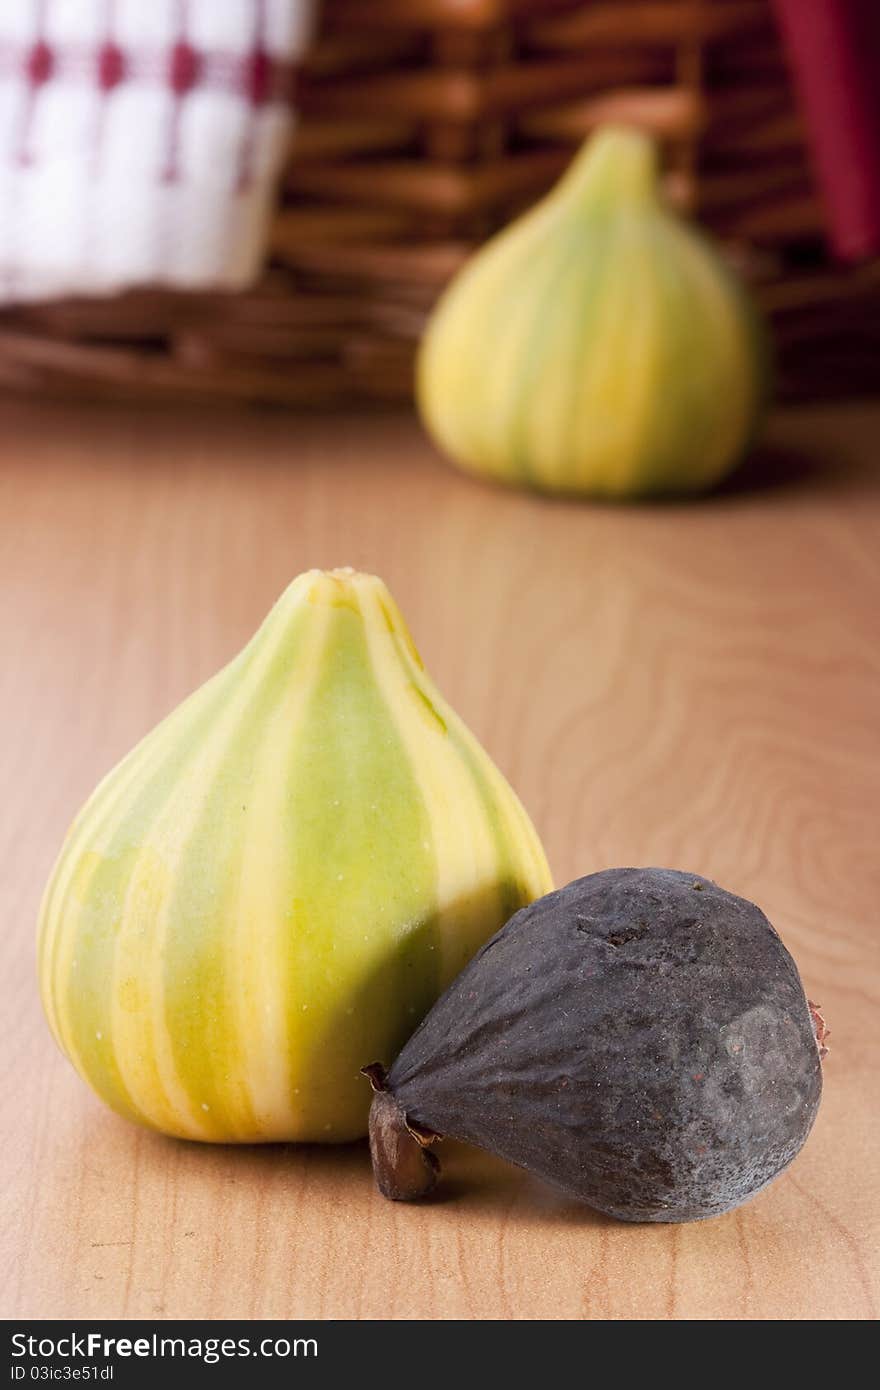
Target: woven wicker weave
pixel 427 123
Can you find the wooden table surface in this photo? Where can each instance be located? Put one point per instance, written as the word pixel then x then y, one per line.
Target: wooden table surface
pixel 688 685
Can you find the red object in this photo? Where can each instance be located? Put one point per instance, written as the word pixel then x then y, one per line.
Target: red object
pixel 834 48
pixel 258 77
pixel 40 62
pixel 111 67
pixel 184 70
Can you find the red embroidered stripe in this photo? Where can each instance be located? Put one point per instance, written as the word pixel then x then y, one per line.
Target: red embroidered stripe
pixel 257 77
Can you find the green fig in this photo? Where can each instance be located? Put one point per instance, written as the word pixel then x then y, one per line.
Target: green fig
pixel 280 880
pixel 598 344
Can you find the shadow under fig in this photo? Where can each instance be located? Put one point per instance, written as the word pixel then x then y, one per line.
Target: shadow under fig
pixel 774 468
pixel 769 468
pixel 472 1183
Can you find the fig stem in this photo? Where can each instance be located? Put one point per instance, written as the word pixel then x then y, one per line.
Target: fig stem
pixel 404 1167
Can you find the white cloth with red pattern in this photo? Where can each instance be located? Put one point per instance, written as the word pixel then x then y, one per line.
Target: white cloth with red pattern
pixel 140 140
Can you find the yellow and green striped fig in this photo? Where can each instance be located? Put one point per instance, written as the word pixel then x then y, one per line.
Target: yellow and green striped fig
pixel 277 883
pixel 598 344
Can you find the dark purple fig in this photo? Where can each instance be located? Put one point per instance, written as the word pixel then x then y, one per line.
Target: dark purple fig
pixel 640 1039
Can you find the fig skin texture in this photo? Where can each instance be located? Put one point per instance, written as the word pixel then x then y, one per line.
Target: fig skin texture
pixel 639 1039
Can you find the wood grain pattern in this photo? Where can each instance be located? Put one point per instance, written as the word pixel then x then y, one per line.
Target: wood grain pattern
pixel 696 686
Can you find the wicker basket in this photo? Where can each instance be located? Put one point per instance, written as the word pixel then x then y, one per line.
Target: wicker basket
pixel 426 124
